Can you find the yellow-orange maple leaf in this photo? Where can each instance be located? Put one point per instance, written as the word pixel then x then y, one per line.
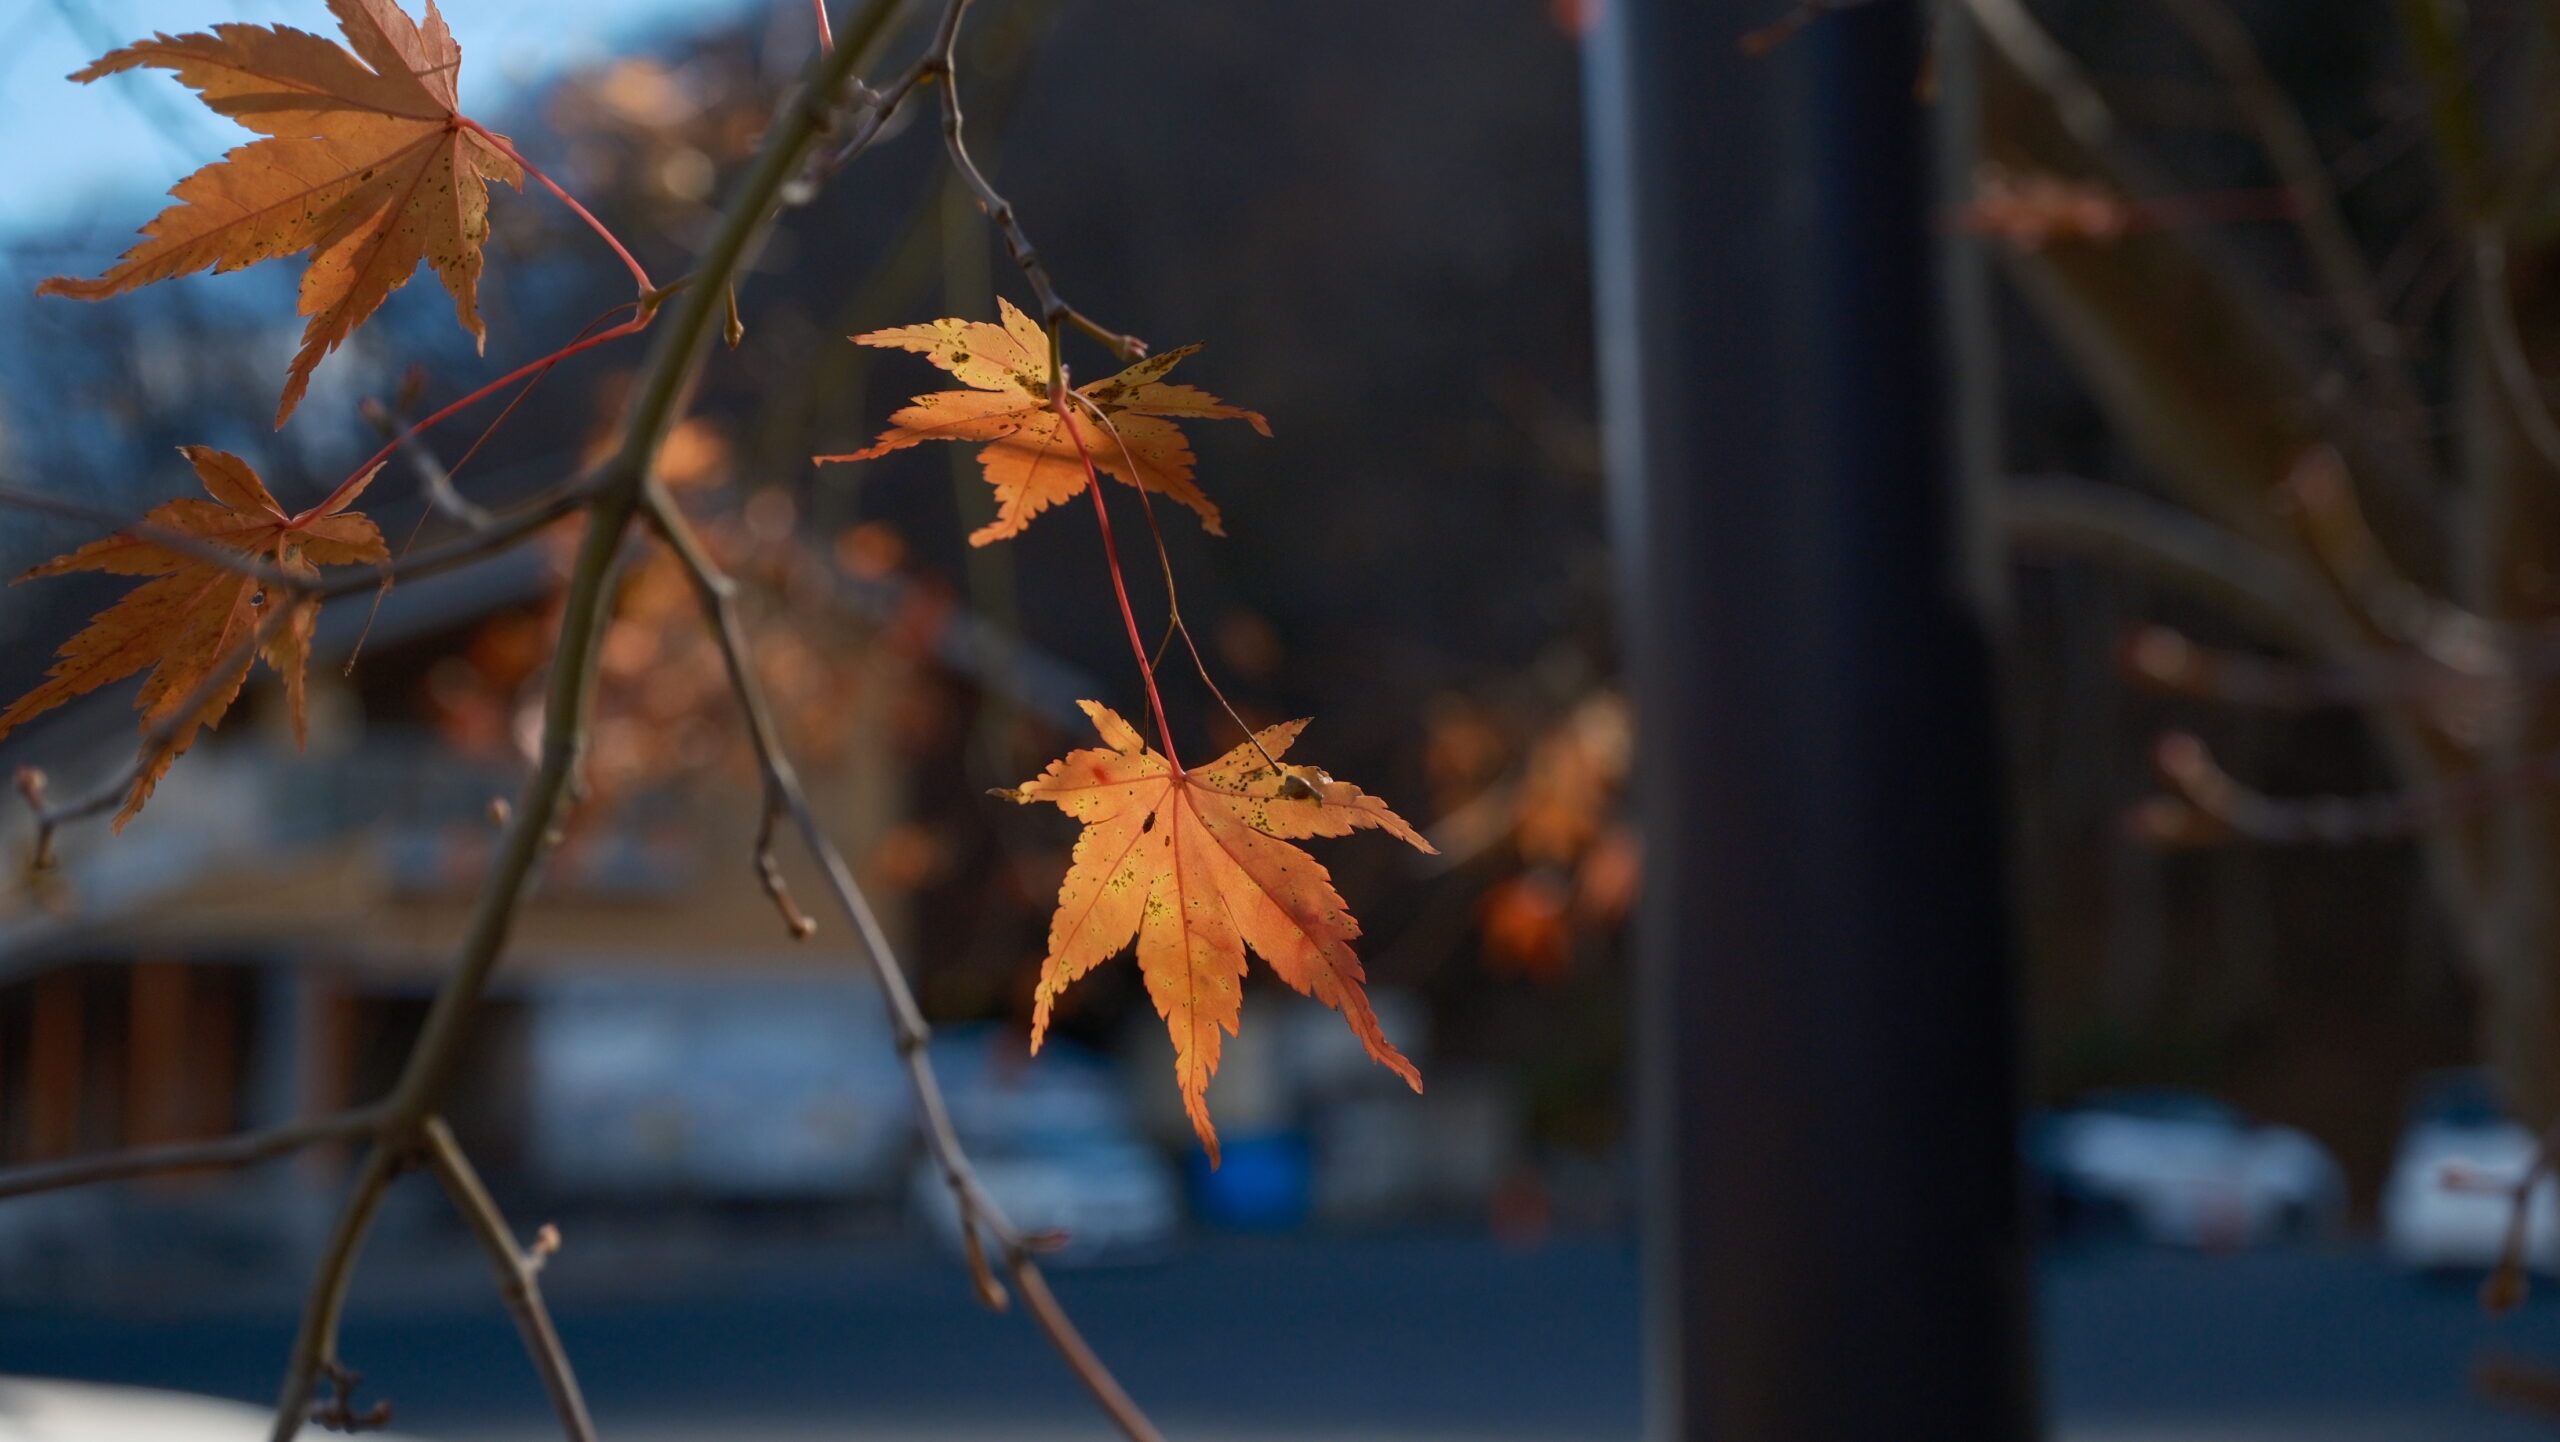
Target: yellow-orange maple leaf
pixel 367 163
pixel 1031 459
pixel 1197 866
pixel 185 622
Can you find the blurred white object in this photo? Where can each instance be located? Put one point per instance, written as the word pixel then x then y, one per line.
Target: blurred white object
pixel 2450 1199
pixel 1383 1153
pixel 42 1410
pixel 724 1088
pixel 1290 1056
pixel 1056 1145
pixel 2187 1170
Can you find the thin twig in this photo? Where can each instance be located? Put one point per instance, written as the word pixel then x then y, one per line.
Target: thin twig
pixel 616 499
pixel 2505 1287
pixel 167 538
pixel 978 1211
pixel 2234 809
pixel 518 1273
pixel 51 817
pixel 315 1341
pixel 777 805
pixel 233 1151
pixel 2287 144
pixel 1000 212
pixel 160 734
pixel 502 531
pixel 404 1128
pixel 2278 594
pixel 433 477
pixel 2516 380
pixel 646 311
pixel 2172 662
pixel 2196 433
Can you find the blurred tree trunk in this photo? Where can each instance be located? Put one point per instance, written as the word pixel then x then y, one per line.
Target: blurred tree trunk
pixel 1832 1209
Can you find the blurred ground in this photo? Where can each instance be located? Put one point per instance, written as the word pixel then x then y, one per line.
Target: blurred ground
pixel 1442 1336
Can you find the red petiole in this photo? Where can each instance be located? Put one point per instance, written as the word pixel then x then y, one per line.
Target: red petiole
pixel 1111 553
pixel 632 326
pixel 499 143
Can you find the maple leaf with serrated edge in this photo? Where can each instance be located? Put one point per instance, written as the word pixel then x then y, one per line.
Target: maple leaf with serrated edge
pixel 1031 458
pixel 185 621
pixel 1197 866
pixel 367 163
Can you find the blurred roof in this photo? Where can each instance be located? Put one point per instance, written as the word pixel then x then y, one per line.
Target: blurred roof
pixel 395 902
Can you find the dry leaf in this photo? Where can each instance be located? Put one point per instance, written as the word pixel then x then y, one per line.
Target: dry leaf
pixel 2032 210
pixel 1527 925
pixel 184 622
pixel 1032 459
pixel 366 163
pixel 1196 866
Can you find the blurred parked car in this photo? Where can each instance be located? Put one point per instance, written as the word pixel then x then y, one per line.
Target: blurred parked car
pixel 2182 1169
pixel 1055 1142
pixel 2450 1199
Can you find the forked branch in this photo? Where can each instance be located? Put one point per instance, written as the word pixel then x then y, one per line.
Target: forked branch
pixel 518 1271
pixel 403 1130
pixel 242 1150
pixel 2210 804
pixel 978 1212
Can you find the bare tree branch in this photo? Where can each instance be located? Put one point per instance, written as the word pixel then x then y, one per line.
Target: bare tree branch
pixel 2193 356
pixel 978 1212
pixel 2169 661
pixel 2523 391
pixel 1017 243
pixel 518 1271
pixel 2064 515
pixel 2335 256
pixel 2466 703
pixel 194 548
pixel 616 499
pixel 501 532
pixel 315 1340
pixel 404 1129
pixel 232 1151
pixel 2239 810
pixel 161 734
pixel 433 478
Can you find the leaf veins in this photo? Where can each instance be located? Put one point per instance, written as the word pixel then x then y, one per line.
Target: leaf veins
pixel 367 163
pixel 1197 866
pixel 1031 459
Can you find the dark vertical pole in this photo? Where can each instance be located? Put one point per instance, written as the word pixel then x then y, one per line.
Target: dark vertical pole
pixel 1834 1230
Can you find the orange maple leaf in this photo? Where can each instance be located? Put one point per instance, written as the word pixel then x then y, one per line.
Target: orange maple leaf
pixel 185 622
pixel 1125 423
pixel 367 163
pixel 1197 866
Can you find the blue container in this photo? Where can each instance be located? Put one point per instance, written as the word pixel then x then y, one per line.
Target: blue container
pixel 1265 1184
